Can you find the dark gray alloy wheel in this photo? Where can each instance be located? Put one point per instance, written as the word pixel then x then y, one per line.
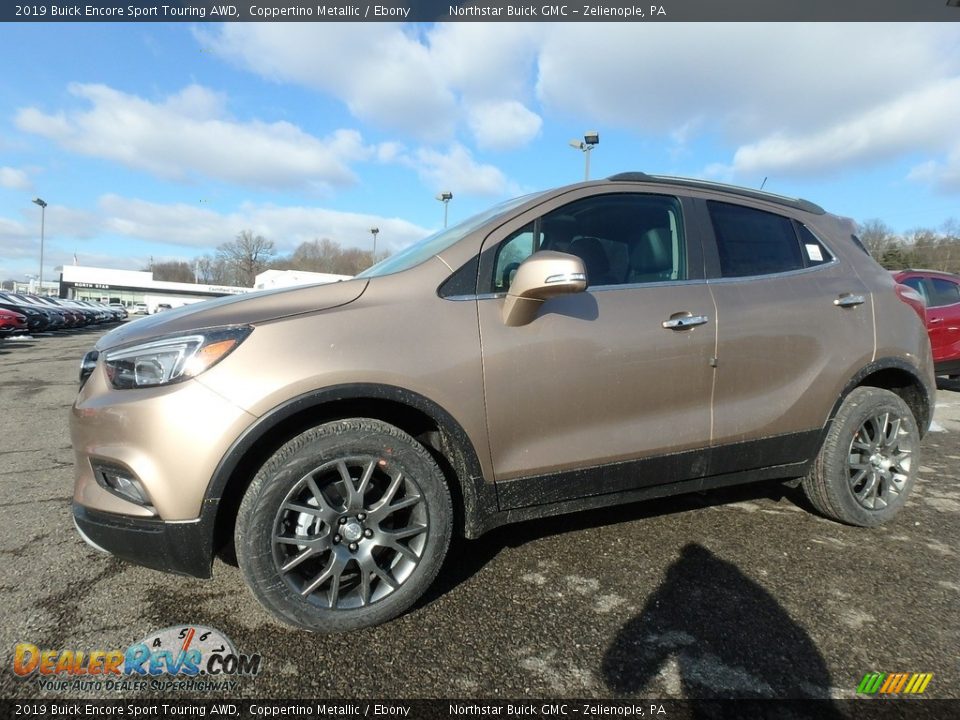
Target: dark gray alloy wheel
pixel 868 463
pixel 344 527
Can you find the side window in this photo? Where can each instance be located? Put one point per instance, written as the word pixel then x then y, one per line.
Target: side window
pixel 511 252
pixel 622 238
pixel 754 242
pixel 918 285
pixel 943 292
pixel 814 252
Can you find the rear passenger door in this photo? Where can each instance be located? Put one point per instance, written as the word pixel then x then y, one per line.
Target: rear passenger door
pixel 794 322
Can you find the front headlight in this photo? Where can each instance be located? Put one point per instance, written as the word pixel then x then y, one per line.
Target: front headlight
pixel 171 359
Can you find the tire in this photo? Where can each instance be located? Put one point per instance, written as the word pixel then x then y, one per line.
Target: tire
pixel 344 527
pixel 868 463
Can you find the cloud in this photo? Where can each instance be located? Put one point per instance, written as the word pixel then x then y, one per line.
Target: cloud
pixel 424 85
pixel 189 134
pixel 919 120
pixel 457 170
pixel 794 99
pixel 14 179
pixel 190 226
pixel 380 71
pixel 503 125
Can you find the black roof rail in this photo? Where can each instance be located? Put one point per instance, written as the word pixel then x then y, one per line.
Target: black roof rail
pixel 795 203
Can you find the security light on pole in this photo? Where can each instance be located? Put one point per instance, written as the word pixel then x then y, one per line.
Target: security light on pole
pixel 43 216
pixel 591 139
pixel 374 231
pixel 445 197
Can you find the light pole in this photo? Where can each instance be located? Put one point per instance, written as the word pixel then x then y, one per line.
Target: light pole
pixel 374 231
pixel 591 139
pixel 445 197
pixel 43 214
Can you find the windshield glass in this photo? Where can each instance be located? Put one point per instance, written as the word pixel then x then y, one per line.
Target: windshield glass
pixel 438 242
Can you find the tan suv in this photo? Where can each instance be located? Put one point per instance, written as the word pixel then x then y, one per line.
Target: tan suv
pixel 595 344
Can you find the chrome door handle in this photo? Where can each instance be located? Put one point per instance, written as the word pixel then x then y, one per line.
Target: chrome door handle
pixel 935 320
pixel 848 300
pixel 685 321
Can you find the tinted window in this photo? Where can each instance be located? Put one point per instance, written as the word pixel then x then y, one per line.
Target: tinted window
pixel 814 252
pixel 943 292
pixel 918 285
pixel 623 238
pixel 754 242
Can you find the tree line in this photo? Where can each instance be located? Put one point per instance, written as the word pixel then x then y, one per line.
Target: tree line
pixel 239 261
pixel 920 248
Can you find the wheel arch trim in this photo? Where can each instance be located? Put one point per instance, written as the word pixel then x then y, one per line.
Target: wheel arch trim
pixel 478 497
pixel 880 365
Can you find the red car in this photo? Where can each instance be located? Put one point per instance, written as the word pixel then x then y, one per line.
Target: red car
pixel 941 292
pixel 11 322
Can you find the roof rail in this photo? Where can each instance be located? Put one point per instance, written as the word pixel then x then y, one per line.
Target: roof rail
pixel 796 203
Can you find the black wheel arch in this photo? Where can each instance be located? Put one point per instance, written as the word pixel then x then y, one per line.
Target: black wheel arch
pixel 899 376
pixel 425 420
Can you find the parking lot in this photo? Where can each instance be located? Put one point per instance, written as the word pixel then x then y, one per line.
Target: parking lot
pixel 737 593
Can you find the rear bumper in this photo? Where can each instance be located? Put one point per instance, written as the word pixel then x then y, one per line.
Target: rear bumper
pixel 184 548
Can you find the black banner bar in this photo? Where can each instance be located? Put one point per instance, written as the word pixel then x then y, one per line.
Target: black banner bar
pixel 490 10
pixel 863 709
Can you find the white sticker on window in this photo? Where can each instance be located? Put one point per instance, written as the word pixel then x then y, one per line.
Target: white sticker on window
pixel 813 252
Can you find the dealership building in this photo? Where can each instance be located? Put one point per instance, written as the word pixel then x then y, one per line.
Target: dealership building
pixel 130 287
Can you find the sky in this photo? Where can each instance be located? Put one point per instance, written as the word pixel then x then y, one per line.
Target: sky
pixel 162 141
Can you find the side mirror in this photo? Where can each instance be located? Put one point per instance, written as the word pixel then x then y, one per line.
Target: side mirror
pixel 540 277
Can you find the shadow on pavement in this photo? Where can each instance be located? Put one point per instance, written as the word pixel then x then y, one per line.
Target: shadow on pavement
pixel 711 632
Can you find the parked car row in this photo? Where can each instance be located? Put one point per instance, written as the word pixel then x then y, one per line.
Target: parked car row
pixel 23 314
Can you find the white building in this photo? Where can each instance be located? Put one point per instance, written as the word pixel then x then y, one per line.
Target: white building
pixel 286 278
pixel 130 287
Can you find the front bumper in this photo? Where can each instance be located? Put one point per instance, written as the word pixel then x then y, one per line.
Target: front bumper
pixel 182 547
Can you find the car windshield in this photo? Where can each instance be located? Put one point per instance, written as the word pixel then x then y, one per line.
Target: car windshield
pixel 438 242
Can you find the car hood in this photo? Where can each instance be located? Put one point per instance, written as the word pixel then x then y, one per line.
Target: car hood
pixel 249 308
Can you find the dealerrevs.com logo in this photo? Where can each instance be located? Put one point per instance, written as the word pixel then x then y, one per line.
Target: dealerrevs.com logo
pixel 878 683
pixel 183 657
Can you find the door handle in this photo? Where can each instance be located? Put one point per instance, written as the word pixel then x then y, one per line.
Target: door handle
pixel 849 300
pixel 684 321
pixel 935 320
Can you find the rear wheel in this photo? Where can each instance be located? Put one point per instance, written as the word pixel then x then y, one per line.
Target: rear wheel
pixel 344 527
pixel 868 463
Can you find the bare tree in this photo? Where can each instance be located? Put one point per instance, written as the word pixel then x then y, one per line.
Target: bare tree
pixel 172 271
pixel 245 257
pixel 877 237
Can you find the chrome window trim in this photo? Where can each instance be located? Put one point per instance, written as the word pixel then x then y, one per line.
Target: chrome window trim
pixel 785 273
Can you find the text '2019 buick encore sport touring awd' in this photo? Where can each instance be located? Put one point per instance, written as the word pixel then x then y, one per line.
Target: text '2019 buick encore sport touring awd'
pixel 600 343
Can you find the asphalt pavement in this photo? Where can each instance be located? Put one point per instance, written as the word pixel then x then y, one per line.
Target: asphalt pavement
pixel 735 593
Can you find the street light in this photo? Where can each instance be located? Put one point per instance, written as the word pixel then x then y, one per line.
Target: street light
pixel 374 231
pixel 43 213
pixel 445 197
pixel 591 139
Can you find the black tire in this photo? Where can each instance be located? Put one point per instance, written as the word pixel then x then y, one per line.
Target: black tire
pixel 370 554
pixel 868 463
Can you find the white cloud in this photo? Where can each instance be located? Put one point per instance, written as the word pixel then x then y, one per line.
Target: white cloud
pixel 921 120
pixel 457 170
pixel 944 176
pixel 190 226
pixel 14 179
pixel 792 98
pixel 423 85
pixel 383 74
pixel 503 125
pixel 190 134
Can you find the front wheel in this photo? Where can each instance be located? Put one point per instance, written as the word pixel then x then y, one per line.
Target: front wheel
pixel 869 459
pixel 344 527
